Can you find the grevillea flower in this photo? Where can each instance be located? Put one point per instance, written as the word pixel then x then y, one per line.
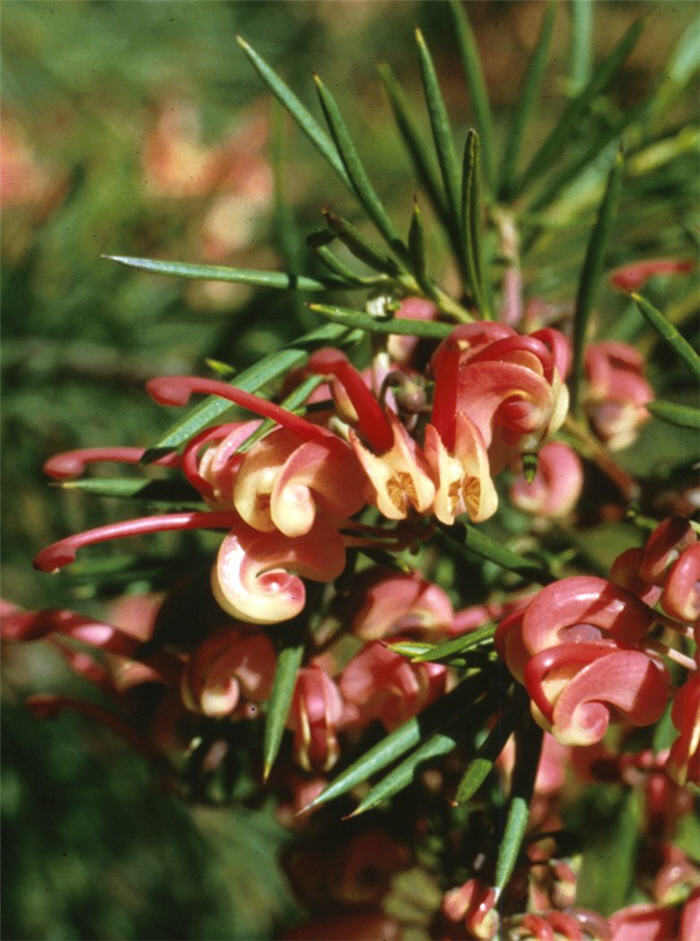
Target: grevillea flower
pixel 315 716
pixel 398 479
pixel 400 603
pixel 556 486
pixel 617 392
pixel 228 666
pixel 473 904
pixel 579 649
pixel 511 387
pixel 684 759
pixel 384 685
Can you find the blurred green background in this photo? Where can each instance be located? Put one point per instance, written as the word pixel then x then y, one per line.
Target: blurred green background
pixel 139 128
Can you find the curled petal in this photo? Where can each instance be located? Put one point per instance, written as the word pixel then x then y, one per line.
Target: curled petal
pixel 627 681
pixel 579 609
pixel 625 572
pixel 462 476
pixel 557 485
pixel 229 663
pixel 256 477
pixel 252 579
pixel 474 904
pixel 684 759
pixel 617 392
pixel 402 603
pixel 213 473
pixel 663 547
pixel 644 922
pixel 681 593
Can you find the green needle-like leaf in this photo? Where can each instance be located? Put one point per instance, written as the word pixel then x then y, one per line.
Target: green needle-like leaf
pixel 683 415
pixel 360 247
pixel 288 663
pixel 669 333
pixel 591 273
pixel 172 493
pixel 414 143
pixel 251 380
pixel 472 538
pixel 296 109
pixel 471 221
pixel 416 248
pixel 442 134
pixel 527 100
pixel 528 745
pixel 280 280
pixel 456 645
pixel 319 243
pixel 432 329
pixel 569 122
pixel 476 85
pixel 359 180
pixel 407 736
pixel 436 745
pixel 480 766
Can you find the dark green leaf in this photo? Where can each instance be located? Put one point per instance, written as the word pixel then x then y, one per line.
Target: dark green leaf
pixel 288 663
pixel 456 645
pixel 528 746
pixel 476 85
pixel 251 380
pixel 303 118
pixel 472 538
pixel 280 280
pixel 360 247
pixel 527 99
pixel 471 222
pixel 394 325
pixel 163 492
pixel 407 736
pixel 319 245
pixel 359 180
pixel 569 122
pixel 591 274
pixel 684 415
pixel 416 247
pixel 442 134
pixel 670 334
pixel 480 766
pixel 414 143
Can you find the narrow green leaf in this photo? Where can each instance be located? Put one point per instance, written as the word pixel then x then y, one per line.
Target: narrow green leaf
pixel 416 248
pixel 414 143
pixel 406 736
pixel 581 48
pixel 468 538
pixel 319 243
pixel 528 745
pixel 684 415
pixel 288 662
pixel 360 246
pixel 476 85
pixel 441 742
pixel 280 280
pixel 436 745
pixel 359 180
pixel 570 120
pixel 442 134
pixel 410 648
pixel 301 115
pixel 669 333
pixel 456 645
pixel 164 492
pixel 251 380
pixel 432 329
pixel 471 222
pixel 591 273
pixel 480 766
pixel 527 100
pixel 222 370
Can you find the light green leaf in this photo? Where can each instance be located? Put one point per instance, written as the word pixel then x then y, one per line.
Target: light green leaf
pixel 288 662
pixel 581 47
pixel 481 765
pixel 684 415
pixel 456 645
pixel 296 109
pixel 280 280
pixel 432 329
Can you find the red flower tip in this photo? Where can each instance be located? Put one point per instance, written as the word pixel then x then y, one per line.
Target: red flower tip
pixel 170 390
